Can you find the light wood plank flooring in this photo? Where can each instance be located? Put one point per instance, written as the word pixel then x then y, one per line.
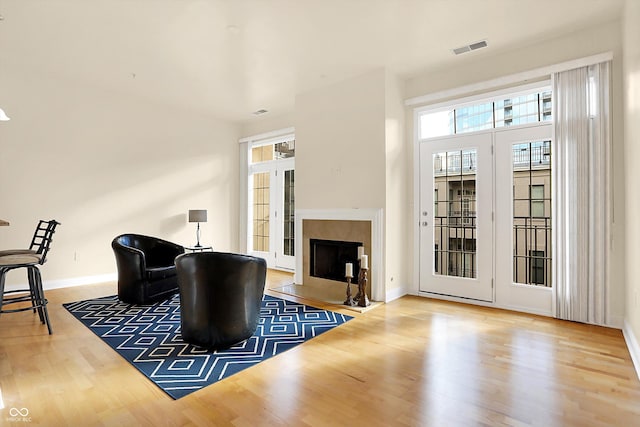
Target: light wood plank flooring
pixel 412 362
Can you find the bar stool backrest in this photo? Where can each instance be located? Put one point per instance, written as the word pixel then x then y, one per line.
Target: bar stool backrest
pixel 41 242
pixel 39 235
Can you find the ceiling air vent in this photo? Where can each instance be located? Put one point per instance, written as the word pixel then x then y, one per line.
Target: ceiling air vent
pixel 470 47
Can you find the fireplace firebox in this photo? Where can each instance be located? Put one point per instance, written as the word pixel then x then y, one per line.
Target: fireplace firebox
pixel 328 258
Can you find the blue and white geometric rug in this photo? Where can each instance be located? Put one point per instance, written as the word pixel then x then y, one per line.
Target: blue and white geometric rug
pixel 148 336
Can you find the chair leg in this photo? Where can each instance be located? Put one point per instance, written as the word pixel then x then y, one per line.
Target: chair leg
pixel 36 294
pixel 33 291
pixel 2 274
pixel 41 298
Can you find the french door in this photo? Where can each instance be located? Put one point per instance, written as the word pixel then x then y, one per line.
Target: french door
pixel 524 219
pixel 284 214
pixel 456 204
pixel 271 212
pixel 485 217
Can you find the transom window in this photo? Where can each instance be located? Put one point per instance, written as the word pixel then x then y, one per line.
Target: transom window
pixel 268 152
pixel 500 112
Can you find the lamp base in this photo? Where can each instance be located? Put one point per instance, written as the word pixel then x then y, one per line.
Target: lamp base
pixel 198 237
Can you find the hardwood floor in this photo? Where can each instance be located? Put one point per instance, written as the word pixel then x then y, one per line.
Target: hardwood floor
pixel 412 362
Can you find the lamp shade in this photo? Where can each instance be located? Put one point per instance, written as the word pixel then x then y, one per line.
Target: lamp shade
pixel 3 116
pixel 197 215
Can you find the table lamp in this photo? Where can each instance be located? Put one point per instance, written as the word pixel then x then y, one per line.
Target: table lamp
pixel 198 215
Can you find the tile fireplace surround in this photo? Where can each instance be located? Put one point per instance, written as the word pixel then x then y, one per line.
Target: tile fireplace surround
pixel 356 225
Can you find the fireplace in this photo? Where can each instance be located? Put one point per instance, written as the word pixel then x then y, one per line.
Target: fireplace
pixel 343 225
pixel 348 225
pixel 327 259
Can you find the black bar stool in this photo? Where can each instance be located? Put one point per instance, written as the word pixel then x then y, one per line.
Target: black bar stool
pixel 29 259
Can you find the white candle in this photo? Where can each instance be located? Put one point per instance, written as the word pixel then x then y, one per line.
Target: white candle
pixel 348 270
pixel 360 251
pixel 364 262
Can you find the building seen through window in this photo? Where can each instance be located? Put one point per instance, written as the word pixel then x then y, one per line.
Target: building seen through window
pixel 454 175
pixel 529 108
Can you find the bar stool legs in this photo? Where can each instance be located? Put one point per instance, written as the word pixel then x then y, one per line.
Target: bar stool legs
pixel 35 294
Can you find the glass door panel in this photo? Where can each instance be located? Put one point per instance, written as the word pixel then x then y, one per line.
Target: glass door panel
pixel 454 225
pixel 531 205
pixel 288 218
pixel 261 207
pixel 456 206
pixel 284 255
pixel 523 213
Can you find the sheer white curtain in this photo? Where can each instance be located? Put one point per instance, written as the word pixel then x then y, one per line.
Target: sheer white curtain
pixel 581 177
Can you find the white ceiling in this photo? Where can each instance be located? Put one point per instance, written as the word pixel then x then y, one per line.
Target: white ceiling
pixel 228 58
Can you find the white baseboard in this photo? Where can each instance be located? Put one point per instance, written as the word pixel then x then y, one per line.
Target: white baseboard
pixel 633 346
pixel 615 322
pixel 66 283
pixel 396 293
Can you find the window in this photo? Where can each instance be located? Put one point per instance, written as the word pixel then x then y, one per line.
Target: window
pixel 536 267
pixel 462 257
pixel 466 218
pixel 531 165
pixel 499 112
pixel 271 199
pixel 537 201
pixel 545 107
pixel 268 152
pixel 262 153
pixel 437 124
pixel 435 202
pixel 454 173
pixel 518 110
pixel 289 213
pixel 474 118
pixel 260 187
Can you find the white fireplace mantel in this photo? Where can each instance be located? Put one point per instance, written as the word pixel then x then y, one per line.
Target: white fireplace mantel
pixel 373 215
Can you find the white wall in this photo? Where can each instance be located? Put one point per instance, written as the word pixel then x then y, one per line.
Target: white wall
pixel 340 145
pixel 266 123
pixel 104 163
pixel 397 214
pixel 485 66
pixel 632 173
pixel 351 153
